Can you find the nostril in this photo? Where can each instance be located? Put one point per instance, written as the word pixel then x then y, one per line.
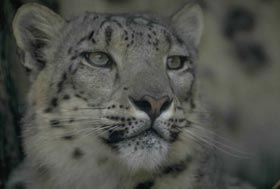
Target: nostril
pixel 152 106
pixel 142 105
pixel 165 105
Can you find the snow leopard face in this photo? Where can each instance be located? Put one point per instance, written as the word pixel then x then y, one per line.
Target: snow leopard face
pixel 115 86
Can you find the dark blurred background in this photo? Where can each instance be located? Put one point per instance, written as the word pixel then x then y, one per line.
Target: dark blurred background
pixel 239 78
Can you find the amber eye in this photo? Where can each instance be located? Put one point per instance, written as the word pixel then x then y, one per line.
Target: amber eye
pixel 176 62
pixel 99 59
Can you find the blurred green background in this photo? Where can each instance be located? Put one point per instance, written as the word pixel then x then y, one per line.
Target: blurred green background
pixel 239 77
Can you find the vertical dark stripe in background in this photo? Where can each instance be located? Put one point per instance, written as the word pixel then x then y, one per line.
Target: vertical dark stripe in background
pixel 10 144
pixel 11 110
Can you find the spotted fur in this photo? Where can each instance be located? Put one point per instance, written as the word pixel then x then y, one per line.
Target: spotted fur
pixel 83 127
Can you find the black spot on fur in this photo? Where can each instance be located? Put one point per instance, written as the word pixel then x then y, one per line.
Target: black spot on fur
pixel 145 185
pixel 27 70
pixel 87 15
pixel 93 41
pixel 60 83
pixel 77 153
pixel 54 102
pixel 71 120
pixel 78 96
pixel 68 137
pixel 66 97
pixel 175 169
pixel 156 43
pixel 55 123
pixel 69 50
pixel 251 55
pixel 167 38
pixel 174 136
pixel 238 19
pixel 64 76
pixel 179 40
pixel 48 110
pixel 74 57
pixel 192 103
pixel 90 35
pixel 108 34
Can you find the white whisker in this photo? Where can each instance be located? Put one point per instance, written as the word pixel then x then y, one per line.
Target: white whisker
pixel 225 149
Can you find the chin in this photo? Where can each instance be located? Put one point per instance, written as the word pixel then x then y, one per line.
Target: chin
pixel 147 152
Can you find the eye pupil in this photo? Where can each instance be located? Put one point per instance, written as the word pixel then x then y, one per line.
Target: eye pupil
pixel 100 57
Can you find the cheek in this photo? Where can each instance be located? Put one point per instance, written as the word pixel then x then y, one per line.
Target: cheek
pixel 94 82
pixel 181 84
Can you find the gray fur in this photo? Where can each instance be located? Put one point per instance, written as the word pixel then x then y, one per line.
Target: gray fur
pixel 77 111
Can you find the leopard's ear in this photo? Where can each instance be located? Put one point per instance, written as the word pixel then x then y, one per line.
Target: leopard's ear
pixel 188 23
pixel 34 27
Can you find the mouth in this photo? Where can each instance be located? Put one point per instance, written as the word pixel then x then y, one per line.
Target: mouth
pixel 118 136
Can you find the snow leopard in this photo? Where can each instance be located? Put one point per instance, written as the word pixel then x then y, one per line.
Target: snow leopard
pixel 114 103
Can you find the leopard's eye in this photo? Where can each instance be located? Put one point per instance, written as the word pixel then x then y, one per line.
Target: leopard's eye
pixel 99 59
pixel 176 62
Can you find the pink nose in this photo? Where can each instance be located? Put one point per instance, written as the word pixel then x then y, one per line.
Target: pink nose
pixel 152 106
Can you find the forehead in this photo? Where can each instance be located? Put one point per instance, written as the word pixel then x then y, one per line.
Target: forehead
pixel 130 23
pixel 121 31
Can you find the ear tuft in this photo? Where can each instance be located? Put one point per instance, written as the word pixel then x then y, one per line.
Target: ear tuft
pixel 34 27
pixel 188 23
